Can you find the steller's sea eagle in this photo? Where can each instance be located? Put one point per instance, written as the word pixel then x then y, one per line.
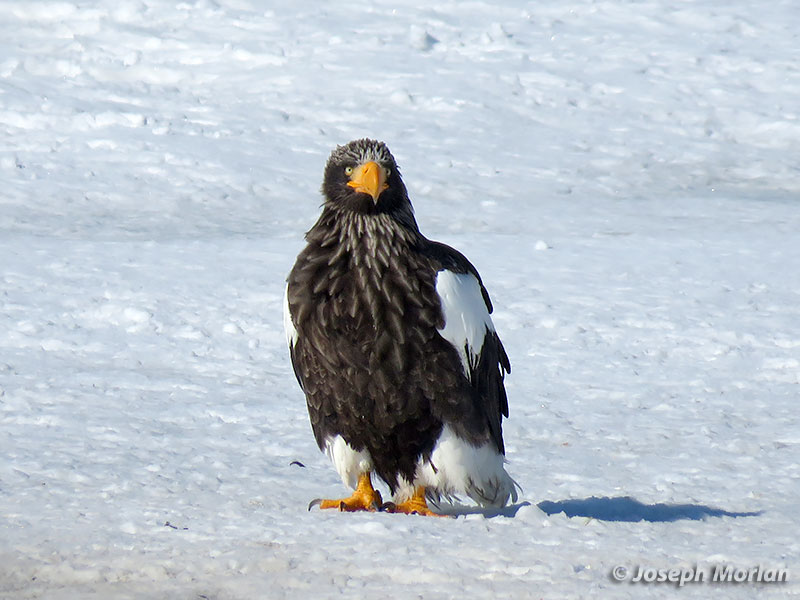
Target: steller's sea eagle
pixel 391 340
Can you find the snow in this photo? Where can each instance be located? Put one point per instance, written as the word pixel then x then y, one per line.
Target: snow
pixel 623 175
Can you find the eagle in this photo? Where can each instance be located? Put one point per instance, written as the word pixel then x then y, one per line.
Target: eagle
pixel 392 343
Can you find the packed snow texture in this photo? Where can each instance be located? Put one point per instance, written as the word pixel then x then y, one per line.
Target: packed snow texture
pixel 624 175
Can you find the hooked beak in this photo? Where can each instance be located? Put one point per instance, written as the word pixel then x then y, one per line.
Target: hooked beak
pixel 369 178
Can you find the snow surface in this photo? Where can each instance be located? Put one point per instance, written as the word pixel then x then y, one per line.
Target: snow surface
pixel 624 175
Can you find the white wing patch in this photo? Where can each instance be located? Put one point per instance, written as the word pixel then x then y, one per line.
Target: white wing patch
pixel 288 325
pixel 466 318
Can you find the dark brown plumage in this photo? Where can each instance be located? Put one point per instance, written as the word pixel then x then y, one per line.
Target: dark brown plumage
pixel 366 324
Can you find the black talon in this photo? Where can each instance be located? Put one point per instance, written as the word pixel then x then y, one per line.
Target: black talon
pixel 313 503
pixel 387 507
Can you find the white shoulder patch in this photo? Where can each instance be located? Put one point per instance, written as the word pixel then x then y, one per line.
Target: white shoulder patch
pixel 288 325
pixel 466 318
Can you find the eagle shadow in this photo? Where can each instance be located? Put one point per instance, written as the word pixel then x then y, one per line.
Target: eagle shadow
pixel 620 509
pixel 627 509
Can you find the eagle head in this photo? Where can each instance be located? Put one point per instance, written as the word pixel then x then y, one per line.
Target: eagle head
pixel 362 176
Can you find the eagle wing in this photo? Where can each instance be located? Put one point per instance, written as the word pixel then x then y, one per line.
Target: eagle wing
pixel 468 327
pixel 291 335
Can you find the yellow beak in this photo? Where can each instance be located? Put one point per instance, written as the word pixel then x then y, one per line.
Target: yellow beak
pixel 369 178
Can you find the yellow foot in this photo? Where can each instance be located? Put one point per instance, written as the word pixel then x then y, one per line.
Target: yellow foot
pixel 416 505
pixel 365 497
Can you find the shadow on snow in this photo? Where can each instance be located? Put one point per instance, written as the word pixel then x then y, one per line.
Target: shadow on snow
pixel 625 508
pixel 621 509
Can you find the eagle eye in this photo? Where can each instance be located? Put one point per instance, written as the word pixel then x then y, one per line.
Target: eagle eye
pixel 348 170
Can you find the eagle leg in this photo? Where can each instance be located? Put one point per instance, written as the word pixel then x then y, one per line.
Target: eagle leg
pixel 416 505
pixel 364 497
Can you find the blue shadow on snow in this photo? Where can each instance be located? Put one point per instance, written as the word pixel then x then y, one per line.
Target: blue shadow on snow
pixel 625 508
